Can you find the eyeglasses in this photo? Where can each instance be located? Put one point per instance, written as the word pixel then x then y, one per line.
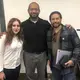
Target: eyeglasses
pixel 34 9
pixel 16 25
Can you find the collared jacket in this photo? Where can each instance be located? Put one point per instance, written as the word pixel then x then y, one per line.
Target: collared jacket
pixel 69 41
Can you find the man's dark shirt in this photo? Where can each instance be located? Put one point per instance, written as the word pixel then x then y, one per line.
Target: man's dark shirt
pixel 35 35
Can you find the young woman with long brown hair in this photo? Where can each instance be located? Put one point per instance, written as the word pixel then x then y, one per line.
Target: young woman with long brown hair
pixel 10 51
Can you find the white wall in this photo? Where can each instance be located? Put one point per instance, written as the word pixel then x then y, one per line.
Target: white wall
pixel 70 10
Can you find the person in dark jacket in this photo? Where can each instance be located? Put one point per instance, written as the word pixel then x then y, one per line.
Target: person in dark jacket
pixel 60 37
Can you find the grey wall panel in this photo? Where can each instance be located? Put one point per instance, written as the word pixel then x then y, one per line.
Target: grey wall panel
pixel 2 17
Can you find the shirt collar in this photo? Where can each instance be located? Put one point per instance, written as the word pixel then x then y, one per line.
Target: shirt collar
pixel 33 21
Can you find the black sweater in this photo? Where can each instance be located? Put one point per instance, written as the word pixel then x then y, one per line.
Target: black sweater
pixel 35 35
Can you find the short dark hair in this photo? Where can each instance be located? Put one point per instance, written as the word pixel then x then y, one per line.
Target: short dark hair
pixel 55 12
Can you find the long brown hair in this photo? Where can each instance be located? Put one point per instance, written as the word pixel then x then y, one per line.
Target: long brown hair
pixel 10 34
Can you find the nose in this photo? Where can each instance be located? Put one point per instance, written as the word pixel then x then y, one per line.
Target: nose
pixel 55 20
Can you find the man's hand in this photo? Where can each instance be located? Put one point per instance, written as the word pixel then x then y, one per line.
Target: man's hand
pixel 68 26
pixel 2 76
pixel 69 63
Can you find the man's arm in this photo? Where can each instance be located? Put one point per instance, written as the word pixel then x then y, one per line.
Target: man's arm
pixel 76 44
pixel 49 43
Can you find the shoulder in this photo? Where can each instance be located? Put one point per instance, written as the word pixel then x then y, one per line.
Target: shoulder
pixel 3 37
pixel 24 22
pixel 2 41
pixel 45 23
pixel 71 30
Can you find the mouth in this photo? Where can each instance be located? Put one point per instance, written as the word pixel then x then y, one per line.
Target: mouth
pixel 15 30
pixel 34 14
pixel 55 24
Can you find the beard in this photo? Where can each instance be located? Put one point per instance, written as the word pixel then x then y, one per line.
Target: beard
pixel 34 16
pixel 56 25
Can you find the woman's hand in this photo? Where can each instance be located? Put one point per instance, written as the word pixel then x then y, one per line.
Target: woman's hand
pixel 2 76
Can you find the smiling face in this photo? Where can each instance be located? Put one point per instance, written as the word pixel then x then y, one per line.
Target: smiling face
pixel 15 27
pixel 33 10
pixel 55 20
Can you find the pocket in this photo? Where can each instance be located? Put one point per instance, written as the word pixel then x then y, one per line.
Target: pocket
pixel 66 43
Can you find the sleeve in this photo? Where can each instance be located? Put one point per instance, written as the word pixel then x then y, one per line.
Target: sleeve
pixel 49 25
pixel 2 47
pixel 49 43
pixel 76 44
